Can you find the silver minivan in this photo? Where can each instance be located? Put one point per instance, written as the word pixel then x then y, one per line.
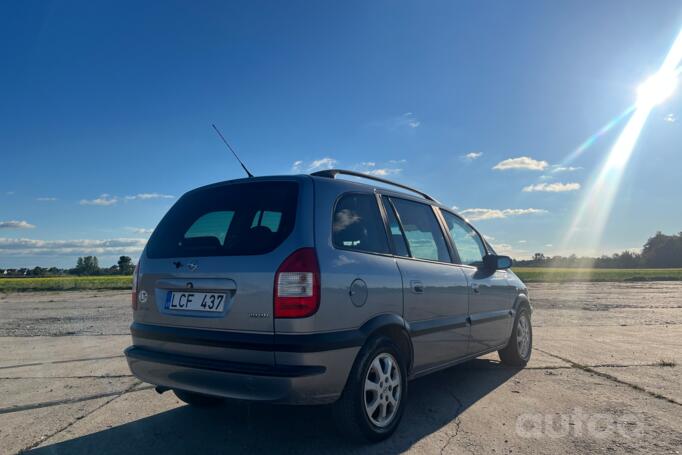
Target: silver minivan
pixel 313 289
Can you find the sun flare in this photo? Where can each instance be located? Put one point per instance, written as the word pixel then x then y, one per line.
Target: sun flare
pixel 594 210
pixel 657 89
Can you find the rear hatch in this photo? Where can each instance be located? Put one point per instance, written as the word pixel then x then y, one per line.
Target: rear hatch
pixel 210 263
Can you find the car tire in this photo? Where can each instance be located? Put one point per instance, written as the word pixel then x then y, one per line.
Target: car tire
pixel 198 400
pixel 520 346
pixel 373 401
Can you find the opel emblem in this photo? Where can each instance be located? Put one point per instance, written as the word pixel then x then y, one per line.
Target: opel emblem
pixel 190 285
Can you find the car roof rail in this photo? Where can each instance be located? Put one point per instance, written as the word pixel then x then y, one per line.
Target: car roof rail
pixel 332 173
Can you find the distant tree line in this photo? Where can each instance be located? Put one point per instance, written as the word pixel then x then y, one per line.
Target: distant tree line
pixel 86 265
pixel 660 251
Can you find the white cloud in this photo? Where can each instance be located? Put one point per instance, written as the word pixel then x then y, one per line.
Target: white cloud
pixel 549 245
pixel 15 224
pixel 559 168
pixel 323 163
pixel 488 214
pixel 46 199
pixel 403 161
pixel 409 120
pixel 103 200
pixel 406 121
pixel 139 230
pixel 508 250
pixel 472 156
pixel 107 199
pixel 383 172
pixel 300 166
pixel 670 118
pixel 523 162
pixel 10 193
pixel 552 187
pixel 145 196
pixel 370 168
pixel 523 241
pixel 28 247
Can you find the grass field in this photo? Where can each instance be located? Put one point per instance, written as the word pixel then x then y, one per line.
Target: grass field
pixel 560 275
pixel 65 283
pixel 527 274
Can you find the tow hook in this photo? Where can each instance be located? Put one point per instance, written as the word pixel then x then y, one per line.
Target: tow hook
pixel 160 389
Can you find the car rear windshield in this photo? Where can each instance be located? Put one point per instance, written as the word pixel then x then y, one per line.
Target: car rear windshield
pixel 227 220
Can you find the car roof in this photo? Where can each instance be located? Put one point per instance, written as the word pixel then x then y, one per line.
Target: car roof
pixel 342 184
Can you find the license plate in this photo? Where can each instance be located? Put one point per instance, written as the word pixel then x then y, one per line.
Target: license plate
pixel 195 301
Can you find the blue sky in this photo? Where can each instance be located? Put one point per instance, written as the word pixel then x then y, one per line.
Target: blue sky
pixel 106 109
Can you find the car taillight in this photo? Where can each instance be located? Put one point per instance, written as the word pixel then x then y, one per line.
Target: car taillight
pixel 297 285
pixel 134 296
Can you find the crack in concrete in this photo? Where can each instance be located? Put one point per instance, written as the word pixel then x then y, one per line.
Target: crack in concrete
pixel 457 421
pixel 66 427
pixel 57 335
pixel 56 362
pixel 46 404
pixel 601 374
pixel 103 376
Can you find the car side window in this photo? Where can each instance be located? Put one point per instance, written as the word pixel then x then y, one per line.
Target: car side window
pixel 397 236
pixel 467 241
pixel 357 224
pixel 422 231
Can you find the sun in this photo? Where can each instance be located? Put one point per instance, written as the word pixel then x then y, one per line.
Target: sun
pixel 656 89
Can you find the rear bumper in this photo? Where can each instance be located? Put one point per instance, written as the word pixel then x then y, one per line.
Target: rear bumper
pixel 193 362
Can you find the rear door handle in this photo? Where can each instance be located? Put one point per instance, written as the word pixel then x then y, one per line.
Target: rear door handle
pixel 417 286
pixel 474 287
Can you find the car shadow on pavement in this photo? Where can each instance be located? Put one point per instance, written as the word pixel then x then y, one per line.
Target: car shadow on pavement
pixel 434 402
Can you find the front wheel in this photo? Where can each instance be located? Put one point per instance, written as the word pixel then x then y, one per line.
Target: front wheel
pixel 517 352
pixel 372 404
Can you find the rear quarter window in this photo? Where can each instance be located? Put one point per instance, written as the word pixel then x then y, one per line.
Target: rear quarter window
pixel 227 220
pixel 357 224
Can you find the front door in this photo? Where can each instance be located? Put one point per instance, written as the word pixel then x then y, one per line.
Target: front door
pixel 491 295
pixel 435 291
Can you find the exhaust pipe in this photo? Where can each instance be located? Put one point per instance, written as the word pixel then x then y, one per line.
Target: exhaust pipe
pixel 160 389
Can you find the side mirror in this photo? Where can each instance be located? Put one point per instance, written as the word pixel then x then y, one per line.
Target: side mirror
pixel 494 262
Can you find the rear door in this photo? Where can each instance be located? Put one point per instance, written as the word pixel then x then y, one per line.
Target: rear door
pixel 491 295
pixel 221 245
pixel 435 290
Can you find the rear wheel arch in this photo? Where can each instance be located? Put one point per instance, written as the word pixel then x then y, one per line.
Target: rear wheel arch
pixel 393 327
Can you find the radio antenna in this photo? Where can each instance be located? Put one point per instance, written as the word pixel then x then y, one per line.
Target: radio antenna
pixel 231 150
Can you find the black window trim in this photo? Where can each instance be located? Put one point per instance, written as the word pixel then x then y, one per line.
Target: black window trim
pixel 384 211
pixel 452 243
pixel 448 239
